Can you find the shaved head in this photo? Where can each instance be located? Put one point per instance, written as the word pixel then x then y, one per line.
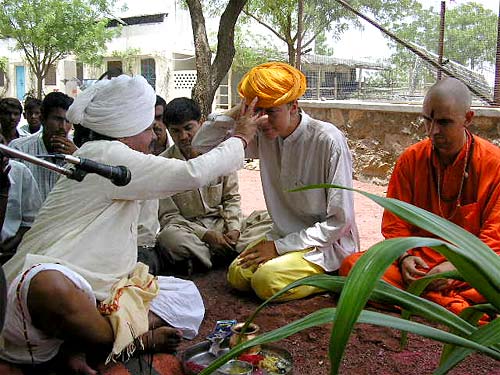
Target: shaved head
pixel 447 114
pixel 451 89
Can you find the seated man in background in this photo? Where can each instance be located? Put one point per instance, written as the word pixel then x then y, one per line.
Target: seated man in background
pixel 23 204
pixel 32 115
pixel 201 225
pixel 10 115
pixel 453 174
pixel 314 230
pixel 163 139
pixel 51 140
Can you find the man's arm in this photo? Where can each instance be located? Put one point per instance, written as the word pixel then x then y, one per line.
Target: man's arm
pixel 218 128
pixel 231 200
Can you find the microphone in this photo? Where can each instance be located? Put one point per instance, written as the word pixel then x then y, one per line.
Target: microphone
pixel 119 175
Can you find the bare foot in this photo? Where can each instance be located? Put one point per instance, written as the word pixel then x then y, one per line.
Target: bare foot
pixel 162 340
pixel 77 363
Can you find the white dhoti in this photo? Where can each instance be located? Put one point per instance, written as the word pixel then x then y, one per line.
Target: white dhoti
pixel 178 303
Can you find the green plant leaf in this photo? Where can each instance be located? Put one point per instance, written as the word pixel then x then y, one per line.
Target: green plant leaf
pixel 488 334
pixel 383 293
pixel 359 285
pixel 479 267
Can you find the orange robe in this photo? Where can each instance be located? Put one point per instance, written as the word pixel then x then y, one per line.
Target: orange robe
pixel 414 180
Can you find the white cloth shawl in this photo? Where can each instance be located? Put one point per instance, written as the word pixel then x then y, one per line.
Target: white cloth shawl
pixel 120 107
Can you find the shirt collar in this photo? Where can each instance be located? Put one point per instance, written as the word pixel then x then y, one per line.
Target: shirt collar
pixel 300 129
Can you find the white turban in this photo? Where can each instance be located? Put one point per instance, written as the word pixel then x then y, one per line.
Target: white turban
pixel 121 107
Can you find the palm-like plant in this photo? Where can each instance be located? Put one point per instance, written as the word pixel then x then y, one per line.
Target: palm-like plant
pixel 475 262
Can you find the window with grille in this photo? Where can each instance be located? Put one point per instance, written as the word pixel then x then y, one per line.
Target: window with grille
pixel 148 71
pixel 50 78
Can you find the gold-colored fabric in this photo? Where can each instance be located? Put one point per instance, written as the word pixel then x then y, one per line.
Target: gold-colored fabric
pixel 127 309
pixel 272 276
pixel 275 83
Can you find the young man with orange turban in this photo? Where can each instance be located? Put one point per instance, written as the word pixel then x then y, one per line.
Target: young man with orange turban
pixel 453 174
pixel 313 230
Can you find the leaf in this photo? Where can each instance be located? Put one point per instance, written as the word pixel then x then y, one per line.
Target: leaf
pixel 488 334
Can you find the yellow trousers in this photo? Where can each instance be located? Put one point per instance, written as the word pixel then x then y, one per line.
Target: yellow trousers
pixel 272 276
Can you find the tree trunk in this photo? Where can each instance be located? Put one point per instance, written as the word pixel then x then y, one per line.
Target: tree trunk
pixel 39 85
pixel 210 75
pixel 292 53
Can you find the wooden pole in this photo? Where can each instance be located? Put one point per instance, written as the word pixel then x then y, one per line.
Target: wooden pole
pixel 441 39
pixel 496 89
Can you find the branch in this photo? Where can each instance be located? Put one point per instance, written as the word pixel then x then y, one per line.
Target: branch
pixel 265 25
pixel 312 38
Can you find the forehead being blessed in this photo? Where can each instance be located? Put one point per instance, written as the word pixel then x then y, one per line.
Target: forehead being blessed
pixel 274 83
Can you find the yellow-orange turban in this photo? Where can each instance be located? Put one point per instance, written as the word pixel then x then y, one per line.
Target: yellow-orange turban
pixel 275 83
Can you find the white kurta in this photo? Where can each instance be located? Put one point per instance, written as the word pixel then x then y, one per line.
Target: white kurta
pixel 315 153
pixel 91 226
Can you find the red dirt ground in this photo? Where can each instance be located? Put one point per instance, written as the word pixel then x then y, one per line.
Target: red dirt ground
pixel 371 351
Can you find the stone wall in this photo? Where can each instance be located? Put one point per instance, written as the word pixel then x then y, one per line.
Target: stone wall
pixel 378 132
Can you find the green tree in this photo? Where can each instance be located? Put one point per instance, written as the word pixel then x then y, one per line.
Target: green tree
pixel 252 51
pixel 321 47
pixel 469 39
pixel 471 35
pixel 299 23
pixel 127 58
pixel 48 30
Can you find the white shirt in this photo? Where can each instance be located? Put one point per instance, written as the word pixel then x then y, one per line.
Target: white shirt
pixel 33 145
pixel 91 227
pixel 315 153
pixel 24 200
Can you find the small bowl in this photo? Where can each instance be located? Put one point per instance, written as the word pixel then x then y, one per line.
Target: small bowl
pixel 236 367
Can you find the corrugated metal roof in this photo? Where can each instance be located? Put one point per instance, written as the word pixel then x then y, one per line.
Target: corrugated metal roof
pixel 137 20
pixel 313 59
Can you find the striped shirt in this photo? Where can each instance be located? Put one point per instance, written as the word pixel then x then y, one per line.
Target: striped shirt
pixel 33 145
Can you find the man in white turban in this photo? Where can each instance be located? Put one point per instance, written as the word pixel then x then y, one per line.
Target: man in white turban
pixel 313 230
pixel 82 247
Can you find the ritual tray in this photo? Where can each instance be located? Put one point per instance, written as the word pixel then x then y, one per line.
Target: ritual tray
pixel 197 357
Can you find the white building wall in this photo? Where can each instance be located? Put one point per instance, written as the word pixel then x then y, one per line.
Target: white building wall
pixel 169 43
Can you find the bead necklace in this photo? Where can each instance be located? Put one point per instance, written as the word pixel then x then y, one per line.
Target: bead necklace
pixel 464 176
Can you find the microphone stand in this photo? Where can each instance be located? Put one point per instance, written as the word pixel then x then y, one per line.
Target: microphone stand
pixel 74 173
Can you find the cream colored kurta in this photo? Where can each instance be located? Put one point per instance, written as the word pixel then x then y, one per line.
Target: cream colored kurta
pixel 91 226
pixel 315 153
pixel 202 208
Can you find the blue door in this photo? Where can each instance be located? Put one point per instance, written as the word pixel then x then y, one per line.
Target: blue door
pixel 20 82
